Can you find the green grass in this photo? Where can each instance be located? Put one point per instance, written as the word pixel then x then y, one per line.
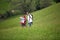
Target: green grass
pixel 46 26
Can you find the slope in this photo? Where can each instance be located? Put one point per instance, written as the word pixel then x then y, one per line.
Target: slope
pixel 46 26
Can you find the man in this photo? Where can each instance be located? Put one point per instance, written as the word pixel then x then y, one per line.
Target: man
pixel 29 18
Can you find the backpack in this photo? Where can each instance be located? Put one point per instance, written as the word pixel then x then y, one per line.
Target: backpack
pixel 32 16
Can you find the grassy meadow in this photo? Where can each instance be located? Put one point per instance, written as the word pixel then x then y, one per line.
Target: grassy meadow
pixel 46 26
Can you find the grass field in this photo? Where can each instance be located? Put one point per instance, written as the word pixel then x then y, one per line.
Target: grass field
pixel 46 26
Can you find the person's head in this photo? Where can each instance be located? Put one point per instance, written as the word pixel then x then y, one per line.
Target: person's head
pixel 27 13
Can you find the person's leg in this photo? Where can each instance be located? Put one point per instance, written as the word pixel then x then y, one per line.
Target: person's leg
pixel 29 24
pixel 22 25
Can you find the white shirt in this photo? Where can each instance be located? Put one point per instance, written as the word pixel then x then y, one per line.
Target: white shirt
pixel 29 18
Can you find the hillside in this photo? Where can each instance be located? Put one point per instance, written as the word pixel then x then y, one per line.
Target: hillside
pixel 46 26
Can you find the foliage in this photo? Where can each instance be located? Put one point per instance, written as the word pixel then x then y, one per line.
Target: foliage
pixel 22 6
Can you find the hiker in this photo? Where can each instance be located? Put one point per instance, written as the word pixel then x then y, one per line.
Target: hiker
pixel 23 21
pixel 29 18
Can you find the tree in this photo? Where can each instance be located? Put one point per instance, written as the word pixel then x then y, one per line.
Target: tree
pixel 57 1
pixel 45 3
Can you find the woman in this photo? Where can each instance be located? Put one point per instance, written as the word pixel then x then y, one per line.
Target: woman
pixel 23 20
